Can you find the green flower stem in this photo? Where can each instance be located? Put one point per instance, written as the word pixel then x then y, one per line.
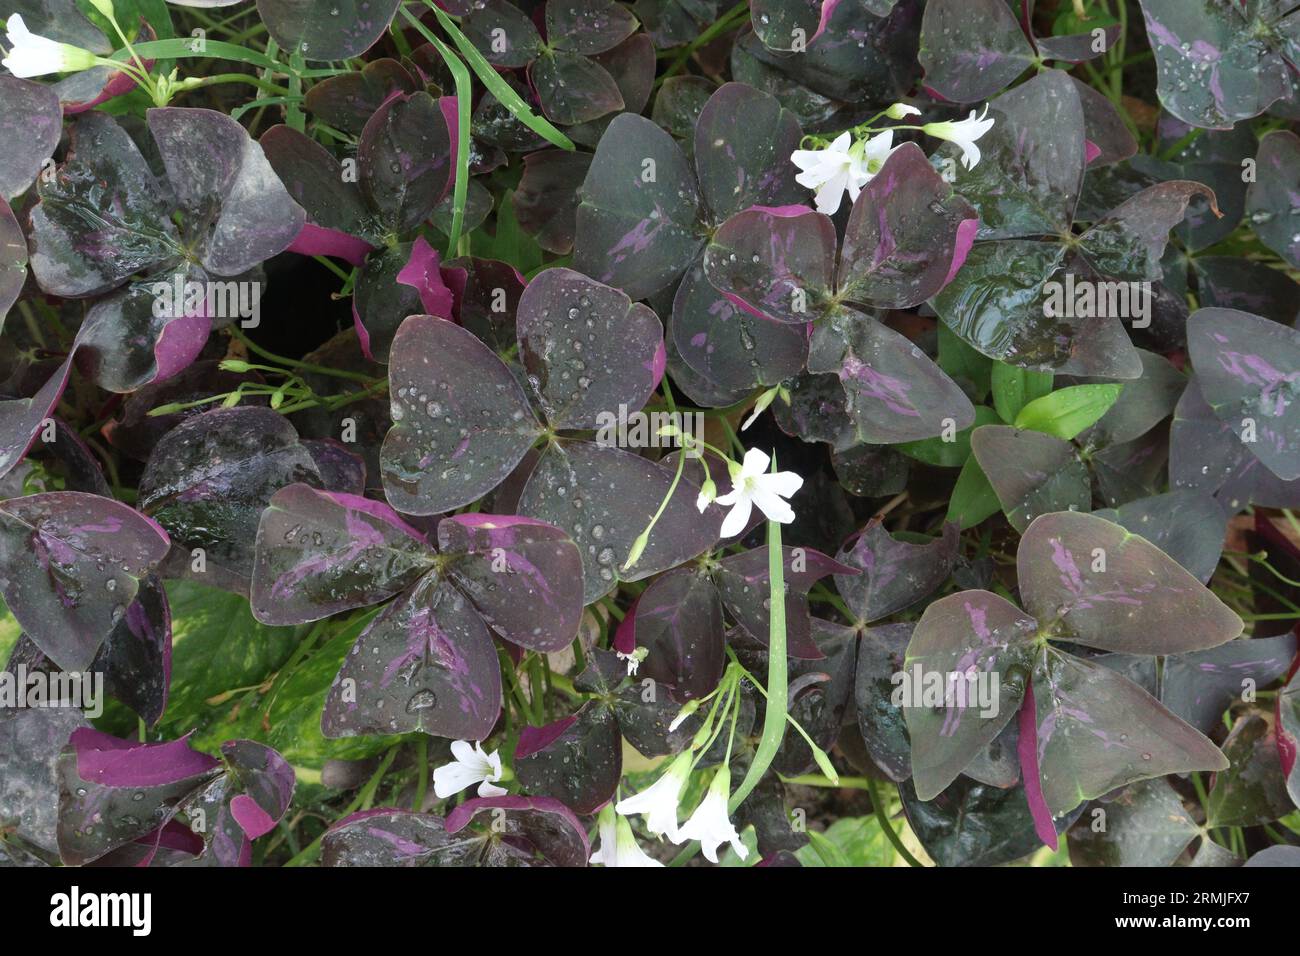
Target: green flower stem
pixel 720 26
pixel 421 771
pixel 253 347
pixel 882 816
pixel 643 539
pixel 775 715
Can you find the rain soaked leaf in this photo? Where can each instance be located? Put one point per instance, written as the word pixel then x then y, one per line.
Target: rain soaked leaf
pixel 523 576
pixel 70 565
pixel 604 497
pixel 327 29
pixel 743 583
pixel 972 49
pixel 576 760
pixel 1200 686
pixel 881 652
pixel 1270 199
pixel 1031 473
pixel 210 477
pixel 1252 789
pixel 1216 63
pixel 678 620
pixel 456 404
pixel 426 663
pixel 1146 825
pixel 30 126
pixel 1187 526
pixel 536 827
pixel 587 349
pixel 893 391
pixel 113 791
pixel 319 553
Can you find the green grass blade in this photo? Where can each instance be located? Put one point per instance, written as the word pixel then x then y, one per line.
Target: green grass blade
pixel 497 86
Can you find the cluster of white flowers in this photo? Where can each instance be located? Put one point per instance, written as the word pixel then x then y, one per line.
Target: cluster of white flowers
pixel 847 164
pixel 710 823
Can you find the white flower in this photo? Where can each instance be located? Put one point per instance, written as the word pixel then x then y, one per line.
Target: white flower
pixel 618 846
pixel 831 171
pixel 659 801
pixel 842 166
pixel 963 133
pixel 752 485
pixel 710 824
pixel 471 766
pixel 33 55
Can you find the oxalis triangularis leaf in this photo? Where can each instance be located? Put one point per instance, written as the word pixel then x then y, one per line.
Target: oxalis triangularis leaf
pixel 391 397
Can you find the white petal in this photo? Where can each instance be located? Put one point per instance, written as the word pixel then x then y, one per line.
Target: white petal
pixel 452 778
pixel 831 193
pixel 773 507
pixel 737 518
pixel 462 750
pixel 487 789
pixel 841 143
pixel 755 463
pixel 783 483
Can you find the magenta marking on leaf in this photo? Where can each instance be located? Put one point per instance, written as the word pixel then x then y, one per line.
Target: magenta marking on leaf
pixel 1027 750
pixel 314 240
pixel 1090 151
pixel 891 391
pixel 961 246
pixel 251 817
pixel 113 762
pixel 179 345
pixel 422 273
pixel 1064 561
pixel 533 739
pixel 363 336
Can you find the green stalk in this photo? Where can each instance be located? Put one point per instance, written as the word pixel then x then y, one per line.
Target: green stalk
pixel 777 676
pixel 882 817
pixel 490 78
pixel 463 109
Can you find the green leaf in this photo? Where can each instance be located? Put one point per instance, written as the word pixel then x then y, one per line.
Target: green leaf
pixel 853 841
pixel 217 647
pixel 973 498
pixel 1015 387
pixel 510 243
pixel 295 712
pixel 1068 411
pixel 10 631
pixel 948 454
